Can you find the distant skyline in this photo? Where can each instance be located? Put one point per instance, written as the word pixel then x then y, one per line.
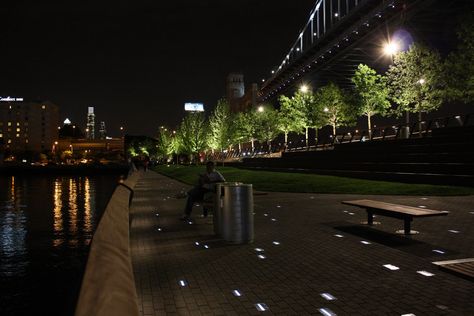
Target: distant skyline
pixel 138 62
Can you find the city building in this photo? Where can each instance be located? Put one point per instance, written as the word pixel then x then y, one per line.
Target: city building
pixel 90 130
pixel 102 130
pixel 28 126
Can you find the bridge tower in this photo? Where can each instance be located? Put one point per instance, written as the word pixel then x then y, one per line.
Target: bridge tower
pixel 235 90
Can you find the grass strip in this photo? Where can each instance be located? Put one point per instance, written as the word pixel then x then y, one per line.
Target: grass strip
pixel 312 183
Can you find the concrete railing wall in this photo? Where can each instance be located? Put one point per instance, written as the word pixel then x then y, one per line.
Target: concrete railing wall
pixel 108 286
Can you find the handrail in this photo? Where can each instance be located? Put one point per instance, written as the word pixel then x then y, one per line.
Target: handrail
pixel 108 286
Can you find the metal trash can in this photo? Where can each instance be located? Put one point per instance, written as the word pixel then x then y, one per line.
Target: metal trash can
pixel 235 219
pixel 218 205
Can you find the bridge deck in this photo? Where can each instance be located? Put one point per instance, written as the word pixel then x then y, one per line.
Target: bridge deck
pixel 311 258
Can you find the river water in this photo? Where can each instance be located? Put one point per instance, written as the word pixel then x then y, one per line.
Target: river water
pixel 46 225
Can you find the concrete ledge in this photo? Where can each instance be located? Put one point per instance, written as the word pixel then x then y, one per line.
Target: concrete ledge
pixel 108 286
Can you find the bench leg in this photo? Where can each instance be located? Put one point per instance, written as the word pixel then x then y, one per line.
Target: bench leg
pixel 370 218
pixel 407 225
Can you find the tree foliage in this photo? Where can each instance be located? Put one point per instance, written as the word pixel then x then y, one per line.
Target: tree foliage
pixel 371 93
pixel 460 65
pixel 220 126
pixel 291 116
pixel 242 127
pixel 337 110
pixel 191 136
pixel 266 123
pixel 415 80
pixel 166 145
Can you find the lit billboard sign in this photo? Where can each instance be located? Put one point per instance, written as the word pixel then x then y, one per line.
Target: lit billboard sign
pixel 10 99
pixel 194 107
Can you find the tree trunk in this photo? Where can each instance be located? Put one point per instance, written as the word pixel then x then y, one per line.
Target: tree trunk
pixel 334 131
pixel 316 137
pixel 253 144
pixel 286 140
pixel 240 148
pixel 306 136
pixel 269 143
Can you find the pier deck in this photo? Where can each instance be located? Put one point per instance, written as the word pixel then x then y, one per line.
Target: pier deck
pixel 314 248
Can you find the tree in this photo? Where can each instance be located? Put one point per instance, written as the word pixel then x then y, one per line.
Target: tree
pixel 291 116
pixel 191 136
pixel 315 115
pixel 372 93
pixel 166 144
pixel 242 128
pixel 336 107
pixel 219 126
pixel 266 122
pixel 415 82
pixel 142 146
pixel 459 65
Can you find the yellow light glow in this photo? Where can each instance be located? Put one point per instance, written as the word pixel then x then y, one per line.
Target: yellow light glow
pixel 391 48
pixel 304 88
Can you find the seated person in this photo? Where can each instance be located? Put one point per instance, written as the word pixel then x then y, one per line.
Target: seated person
pixel 206 184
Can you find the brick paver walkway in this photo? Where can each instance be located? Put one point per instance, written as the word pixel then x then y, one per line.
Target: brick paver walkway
pixel 312 245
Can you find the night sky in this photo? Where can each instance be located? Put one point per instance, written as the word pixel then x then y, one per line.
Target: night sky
pixel 137 62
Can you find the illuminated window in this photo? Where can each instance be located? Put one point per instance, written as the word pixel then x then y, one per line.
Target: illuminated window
pixel 26 141
pixel 43 107
pixel 17 123
pixel 18 129
pixel 9 123
pixel 1 135
pixel 17 135
pixel 9 141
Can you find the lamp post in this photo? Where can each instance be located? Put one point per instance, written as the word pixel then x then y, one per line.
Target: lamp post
pixel 391 48
pixel 305 89
pixel 421 82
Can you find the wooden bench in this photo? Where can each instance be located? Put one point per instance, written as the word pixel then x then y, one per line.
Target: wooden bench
pixel 407 213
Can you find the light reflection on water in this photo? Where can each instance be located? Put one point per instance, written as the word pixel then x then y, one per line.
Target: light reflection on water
pixel 46 225
pixel 12 233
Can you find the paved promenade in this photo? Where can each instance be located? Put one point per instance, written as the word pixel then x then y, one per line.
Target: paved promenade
pixel 311 245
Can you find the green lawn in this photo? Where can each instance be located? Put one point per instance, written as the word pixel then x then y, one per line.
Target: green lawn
pixel 298 182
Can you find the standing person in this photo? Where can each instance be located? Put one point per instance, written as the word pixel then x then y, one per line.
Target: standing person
pixel 205 184
pixel 146 162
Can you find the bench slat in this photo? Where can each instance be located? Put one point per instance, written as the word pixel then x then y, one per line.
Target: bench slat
pixel 395 208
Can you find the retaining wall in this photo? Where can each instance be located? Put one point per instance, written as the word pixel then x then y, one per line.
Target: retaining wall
pixel 108 286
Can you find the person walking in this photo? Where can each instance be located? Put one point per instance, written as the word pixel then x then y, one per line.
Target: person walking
pixel 206 183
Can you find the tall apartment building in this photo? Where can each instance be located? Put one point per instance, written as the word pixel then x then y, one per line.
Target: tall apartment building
pixel 28 125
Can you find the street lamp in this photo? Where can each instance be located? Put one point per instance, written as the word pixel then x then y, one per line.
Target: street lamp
pixel 304 88
pixel 261 109
pixel 391 48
